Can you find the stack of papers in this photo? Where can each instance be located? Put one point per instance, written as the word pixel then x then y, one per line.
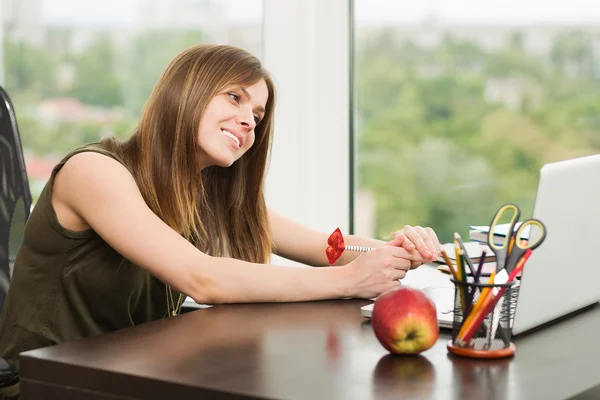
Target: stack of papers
pixel 479 233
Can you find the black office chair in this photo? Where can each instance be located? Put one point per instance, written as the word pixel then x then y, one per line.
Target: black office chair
pixel 15 204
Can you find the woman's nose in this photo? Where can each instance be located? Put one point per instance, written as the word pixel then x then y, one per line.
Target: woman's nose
pixel 246 119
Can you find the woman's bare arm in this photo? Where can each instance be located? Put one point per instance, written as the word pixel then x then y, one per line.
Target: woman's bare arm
pixel 308 246
pixel 302 244
pixel 103 194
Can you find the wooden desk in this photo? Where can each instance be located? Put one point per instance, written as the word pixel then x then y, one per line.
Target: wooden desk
pixel 319 350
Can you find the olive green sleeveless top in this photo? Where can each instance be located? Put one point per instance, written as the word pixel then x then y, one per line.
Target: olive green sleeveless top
pixel 68 284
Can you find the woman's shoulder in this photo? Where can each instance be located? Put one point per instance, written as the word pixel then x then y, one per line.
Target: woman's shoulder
pixel 96 161
pixel 94 151
pixel 103 147
pixel 92 163
pixel 88 175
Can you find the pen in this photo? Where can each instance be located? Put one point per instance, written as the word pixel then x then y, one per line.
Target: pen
pixel 479 268
pixel 470 288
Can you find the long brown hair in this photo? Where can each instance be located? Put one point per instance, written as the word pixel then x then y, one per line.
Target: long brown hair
pixel 220 210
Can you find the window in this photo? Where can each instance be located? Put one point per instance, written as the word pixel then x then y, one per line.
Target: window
pixel 458 105
pixel 80 70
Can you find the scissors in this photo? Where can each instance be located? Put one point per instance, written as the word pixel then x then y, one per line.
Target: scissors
pixel 510 251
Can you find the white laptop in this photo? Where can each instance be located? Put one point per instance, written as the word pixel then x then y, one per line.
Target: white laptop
pixel 562 275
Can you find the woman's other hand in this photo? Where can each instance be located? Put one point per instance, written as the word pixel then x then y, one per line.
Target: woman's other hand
pixel 422 239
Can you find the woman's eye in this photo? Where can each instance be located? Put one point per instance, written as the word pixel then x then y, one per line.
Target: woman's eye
pixel 256 119
pixel 234 96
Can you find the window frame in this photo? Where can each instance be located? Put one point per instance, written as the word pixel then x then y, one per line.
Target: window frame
pixel 307 47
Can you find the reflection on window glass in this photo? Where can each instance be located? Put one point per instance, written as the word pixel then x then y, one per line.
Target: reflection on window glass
pixel 79 70
pixel 460 103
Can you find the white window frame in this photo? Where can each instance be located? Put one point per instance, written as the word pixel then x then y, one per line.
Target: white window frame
pixel 307 48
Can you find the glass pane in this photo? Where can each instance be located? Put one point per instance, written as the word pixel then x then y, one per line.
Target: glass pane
pixel 78 70
pixel 459 104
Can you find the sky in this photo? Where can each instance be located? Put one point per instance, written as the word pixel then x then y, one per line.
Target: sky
pixel 122 12
pixel 478 11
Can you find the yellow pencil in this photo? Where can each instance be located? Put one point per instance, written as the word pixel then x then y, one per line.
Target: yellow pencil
pixel 459 269
pixel 460 272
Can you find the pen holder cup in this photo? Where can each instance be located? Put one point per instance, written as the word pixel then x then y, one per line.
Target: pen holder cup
pixel 483 315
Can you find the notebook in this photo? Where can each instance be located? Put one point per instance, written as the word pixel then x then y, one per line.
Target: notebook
pixel 480 233
pixel 442 296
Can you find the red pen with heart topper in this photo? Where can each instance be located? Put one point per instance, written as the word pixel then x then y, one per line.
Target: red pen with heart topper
pixel 336 247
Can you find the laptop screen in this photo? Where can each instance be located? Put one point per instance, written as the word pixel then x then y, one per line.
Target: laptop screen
pixel 562 276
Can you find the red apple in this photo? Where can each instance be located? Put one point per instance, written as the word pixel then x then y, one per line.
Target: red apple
pixel 404 320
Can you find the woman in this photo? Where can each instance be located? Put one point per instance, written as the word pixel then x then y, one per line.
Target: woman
pixel 124 230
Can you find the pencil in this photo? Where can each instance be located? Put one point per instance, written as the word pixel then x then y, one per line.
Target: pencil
pixel 459 267
pixel 460 271
pixel 449 264
pixel 469 263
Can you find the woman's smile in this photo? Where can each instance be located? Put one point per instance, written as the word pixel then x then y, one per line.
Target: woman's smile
pixel 237 140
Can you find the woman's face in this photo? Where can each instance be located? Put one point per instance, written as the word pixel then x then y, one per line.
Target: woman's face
pixel 227 125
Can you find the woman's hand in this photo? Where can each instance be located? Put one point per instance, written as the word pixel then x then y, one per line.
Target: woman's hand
pixel 423 240
pixel 378 270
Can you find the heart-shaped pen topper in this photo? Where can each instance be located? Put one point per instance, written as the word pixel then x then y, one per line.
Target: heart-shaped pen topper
pixel 336 246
